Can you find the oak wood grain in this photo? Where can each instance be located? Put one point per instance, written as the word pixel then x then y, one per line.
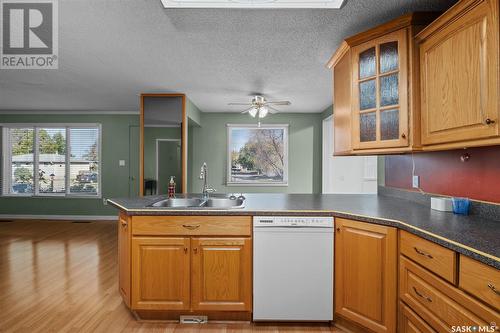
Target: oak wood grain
pixel 192 225
pixel 366 274
pixel 437 259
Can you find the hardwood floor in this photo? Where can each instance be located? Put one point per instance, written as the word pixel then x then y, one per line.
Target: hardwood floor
pixel 58 276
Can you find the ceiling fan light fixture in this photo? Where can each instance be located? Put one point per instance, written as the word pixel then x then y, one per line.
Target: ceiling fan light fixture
pixel 263 112
pixel 253 112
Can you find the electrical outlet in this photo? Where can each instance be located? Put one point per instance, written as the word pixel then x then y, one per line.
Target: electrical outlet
pixel 121 163
pixel 416 182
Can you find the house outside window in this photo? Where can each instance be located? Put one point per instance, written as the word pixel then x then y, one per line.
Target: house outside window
pixel 257 155
pixel 51 160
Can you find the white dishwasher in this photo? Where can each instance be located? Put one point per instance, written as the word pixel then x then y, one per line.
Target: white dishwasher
pixel 292 268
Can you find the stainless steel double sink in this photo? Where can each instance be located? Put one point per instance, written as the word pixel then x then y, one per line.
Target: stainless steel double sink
pixel 231 202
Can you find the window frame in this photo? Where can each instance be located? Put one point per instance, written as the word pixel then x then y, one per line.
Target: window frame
pixel 284 127
pixel 7 160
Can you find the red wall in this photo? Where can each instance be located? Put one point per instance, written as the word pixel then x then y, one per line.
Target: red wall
pixel 444 172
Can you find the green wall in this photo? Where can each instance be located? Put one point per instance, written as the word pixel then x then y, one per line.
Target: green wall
pixel 115 179
pixel 150 136
pixel 209 144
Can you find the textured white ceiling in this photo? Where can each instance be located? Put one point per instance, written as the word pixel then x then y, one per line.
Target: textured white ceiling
pixel 111 50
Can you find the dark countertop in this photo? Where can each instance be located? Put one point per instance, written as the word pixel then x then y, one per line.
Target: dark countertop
pixel 472 235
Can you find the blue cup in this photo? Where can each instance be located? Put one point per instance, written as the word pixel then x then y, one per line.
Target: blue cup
pixel 461 206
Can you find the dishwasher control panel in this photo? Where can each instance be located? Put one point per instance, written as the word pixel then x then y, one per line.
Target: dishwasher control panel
pixel 293 221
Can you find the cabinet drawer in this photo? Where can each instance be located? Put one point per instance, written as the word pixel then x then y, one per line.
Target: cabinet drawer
pixel 192 225
pixel 410 322
pixel 480 280
pixel 439 303
pixel 436 258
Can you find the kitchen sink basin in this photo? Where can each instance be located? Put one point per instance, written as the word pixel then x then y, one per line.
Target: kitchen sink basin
pixel 198 203
pixel 179 203
pixel 225 203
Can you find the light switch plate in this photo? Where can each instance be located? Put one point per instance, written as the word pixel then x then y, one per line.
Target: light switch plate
pixel 121 163
pixel 416 182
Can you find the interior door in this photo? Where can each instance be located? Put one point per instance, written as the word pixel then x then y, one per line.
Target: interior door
pixel 168 163
pixel 346 174
pixel 160 273
pixel 133 160
pixel 222 274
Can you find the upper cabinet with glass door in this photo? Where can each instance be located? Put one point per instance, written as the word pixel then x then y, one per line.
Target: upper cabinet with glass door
pixel 380 99
pixel 382 81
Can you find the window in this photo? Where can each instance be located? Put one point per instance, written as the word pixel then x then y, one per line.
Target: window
pixel 51 160
pixel 257 155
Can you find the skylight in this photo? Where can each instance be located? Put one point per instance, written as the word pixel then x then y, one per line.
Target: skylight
pixel 326 4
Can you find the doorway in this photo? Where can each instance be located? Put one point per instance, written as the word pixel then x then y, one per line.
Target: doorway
pixel 346 174
pixel 168 164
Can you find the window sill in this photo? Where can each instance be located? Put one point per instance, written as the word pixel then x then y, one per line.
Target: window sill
pixel 51 196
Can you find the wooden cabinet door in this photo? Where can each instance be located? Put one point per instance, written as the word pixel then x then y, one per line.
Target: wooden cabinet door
pixel 160 273
pixel 124 257
pixel 459 74
pixel 366 274
pixel 410 322
pixel 380 92
pixel 222 274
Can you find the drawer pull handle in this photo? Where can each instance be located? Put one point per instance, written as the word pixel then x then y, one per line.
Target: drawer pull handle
pixel 427 298
pixel 494 289
pixel 124 223
pixel 195 250
pixel 422 253
pixel 191 227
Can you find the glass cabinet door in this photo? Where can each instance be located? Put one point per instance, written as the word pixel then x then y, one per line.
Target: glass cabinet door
pixel 379 99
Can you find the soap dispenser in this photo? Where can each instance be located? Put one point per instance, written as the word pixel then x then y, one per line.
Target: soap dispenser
pixel 171 187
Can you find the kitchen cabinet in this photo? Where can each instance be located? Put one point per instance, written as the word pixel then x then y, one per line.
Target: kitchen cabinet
pixel 161 273
pixel 376 89
pixel 428 279
pixel 221 274
pixel 124 236
pixel 380 98
pixel 410 322
pixel 459 58
pixel 186 264
pixel 481 281
pixel 366 274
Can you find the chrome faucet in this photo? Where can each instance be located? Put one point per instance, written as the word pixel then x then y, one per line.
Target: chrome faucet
pixel 203 176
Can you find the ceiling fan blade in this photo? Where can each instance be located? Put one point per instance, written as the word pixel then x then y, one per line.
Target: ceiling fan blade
pixel 246 111
pixel 279 103
pixel 239 104
pixel 272 110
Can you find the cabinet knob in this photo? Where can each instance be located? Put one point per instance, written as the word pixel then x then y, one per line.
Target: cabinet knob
pixel 123 223
pixel 403 136
pixel 489 121
pixel 338 229
pixel 185 250
pixel 195 250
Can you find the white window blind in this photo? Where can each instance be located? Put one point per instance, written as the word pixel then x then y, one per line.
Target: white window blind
pixel 51 160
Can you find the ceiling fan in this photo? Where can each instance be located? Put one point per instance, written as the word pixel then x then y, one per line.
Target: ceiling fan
pixel 261 107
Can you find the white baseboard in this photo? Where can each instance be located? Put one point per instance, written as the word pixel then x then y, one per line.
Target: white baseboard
pixel 59 217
